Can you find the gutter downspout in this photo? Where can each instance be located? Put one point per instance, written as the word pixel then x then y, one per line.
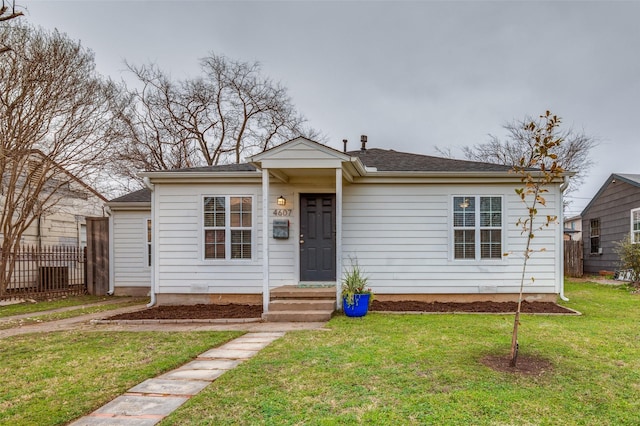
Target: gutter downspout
pixel 563 187
pixel 112 286
pixel 154 252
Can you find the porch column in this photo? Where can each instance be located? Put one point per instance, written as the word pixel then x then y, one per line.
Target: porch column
pixel 265 240
pixel 338 235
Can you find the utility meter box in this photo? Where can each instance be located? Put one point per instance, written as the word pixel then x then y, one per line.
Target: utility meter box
pixel 281 229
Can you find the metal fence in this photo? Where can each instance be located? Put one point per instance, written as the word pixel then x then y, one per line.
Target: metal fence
pixel 46 272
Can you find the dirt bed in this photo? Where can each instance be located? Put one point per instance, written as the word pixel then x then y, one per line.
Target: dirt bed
pixel 204 311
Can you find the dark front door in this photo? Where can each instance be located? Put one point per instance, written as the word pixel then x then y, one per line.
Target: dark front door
pixel 317 237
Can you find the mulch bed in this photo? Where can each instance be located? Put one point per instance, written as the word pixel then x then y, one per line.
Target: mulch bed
pixel 210 311
pixel 201 311
pixel 526 365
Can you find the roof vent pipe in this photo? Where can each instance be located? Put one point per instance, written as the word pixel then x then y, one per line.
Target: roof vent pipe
pixel 363 139
pixel 344 141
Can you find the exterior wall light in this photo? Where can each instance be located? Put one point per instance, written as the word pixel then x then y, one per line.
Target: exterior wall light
pixel 282 201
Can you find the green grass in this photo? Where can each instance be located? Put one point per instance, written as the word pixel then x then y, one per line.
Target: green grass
pixel 76 305
pixel 424 369
pixel 51 379
pixel 30 307
pixel 89 309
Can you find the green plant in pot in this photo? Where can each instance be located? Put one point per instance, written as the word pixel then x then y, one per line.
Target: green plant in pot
pixel 356 297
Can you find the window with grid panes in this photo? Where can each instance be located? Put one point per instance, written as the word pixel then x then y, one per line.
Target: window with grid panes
pixel 228 225
pixel 594 227
pixel 148 242
pixel 477 227
pixel 635 226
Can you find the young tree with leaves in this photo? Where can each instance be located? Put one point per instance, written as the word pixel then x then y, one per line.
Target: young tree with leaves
pixel 537 169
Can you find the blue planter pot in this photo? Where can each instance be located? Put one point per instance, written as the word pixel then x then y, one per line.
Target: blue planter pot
pixel 359 307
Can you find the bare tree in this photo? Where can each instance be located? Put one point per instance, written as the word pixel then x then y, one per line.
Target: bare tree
pixel 228 113
pixel 573 154
pixel 55 124
pixel 8 11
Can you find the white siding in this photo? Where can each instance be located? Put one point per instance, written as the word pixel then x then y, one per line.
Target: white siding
pixel 60 225
pixel 131 265
pixel 402 237
pixel 179 229
pixel 284 254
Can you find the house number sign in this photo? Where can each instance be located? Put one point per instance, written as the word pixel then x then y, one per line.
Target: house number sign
pixel 282 212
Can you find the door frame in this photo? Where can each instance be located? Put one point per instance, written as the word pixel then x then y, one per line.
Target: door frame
pixel 334 216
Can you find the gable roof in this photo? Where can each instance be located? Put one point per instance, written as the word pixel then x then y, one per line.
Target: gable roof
pixel 631 179
pixel 371 161
pixel 72 177
pixel 299 142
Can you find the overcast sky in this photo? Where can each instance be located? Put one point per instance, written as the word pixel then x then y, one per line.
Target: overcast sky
pixel 410 75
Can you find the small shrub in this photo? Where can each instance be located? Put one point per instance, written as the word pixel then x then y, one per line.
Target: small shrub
pixel 629 254
pixel 355 282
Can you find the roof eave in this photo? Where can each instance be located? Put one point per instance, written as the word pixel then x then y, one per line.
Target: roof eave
pixel 129 205
pixel 203 176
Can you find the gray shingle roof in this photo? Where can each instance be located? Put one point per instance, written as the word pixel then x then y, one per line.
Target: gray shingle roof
pixel 390 160
pixel 631 179
pixel 140 196
pixel 381 159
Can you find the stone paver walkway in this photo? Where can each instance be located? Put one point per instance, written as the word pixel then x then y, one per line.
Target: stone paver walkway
pixel 152 400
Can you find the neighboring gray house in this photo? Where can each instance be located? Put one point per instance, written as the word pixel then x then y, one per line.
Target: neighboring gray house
pixel 421 227
pixel 612 215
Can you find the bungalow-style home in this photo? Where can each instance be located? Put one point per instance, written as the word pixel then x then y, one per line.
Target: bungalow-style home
pixel 300 214
pixel 612 215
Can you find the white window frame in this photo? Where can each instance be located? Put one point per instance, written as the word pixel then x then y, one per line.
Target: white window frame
pixel 228 228
pixel 148 237
pixel 477 228
pixel 635 233
pixel 592 236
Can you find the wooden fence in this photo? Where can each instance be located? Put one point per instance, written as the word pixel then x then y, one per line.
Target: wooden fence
pixel 573 256
pixel 46 272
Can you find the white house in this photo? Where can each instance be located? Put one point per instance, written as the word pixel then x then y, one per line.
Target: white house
pixel 67 203
pixel 573 228
pixel 421 227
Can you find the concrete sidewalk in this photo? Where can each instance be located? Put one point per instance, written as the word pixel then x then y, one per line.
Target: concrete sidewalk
pixel 73 323
pixel 152 400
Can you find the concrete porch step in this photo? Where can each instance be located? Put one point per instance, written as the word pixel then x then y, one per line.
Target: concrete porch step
pixel 302 305
pixel 299 316
pixel 295 292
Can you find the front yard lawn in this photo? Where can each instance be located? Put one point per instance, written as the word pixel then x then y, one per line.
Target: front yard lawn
pixel 75 310
pixel 425 369
pixel 53 378
pixel 46 305
pixel 381 369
